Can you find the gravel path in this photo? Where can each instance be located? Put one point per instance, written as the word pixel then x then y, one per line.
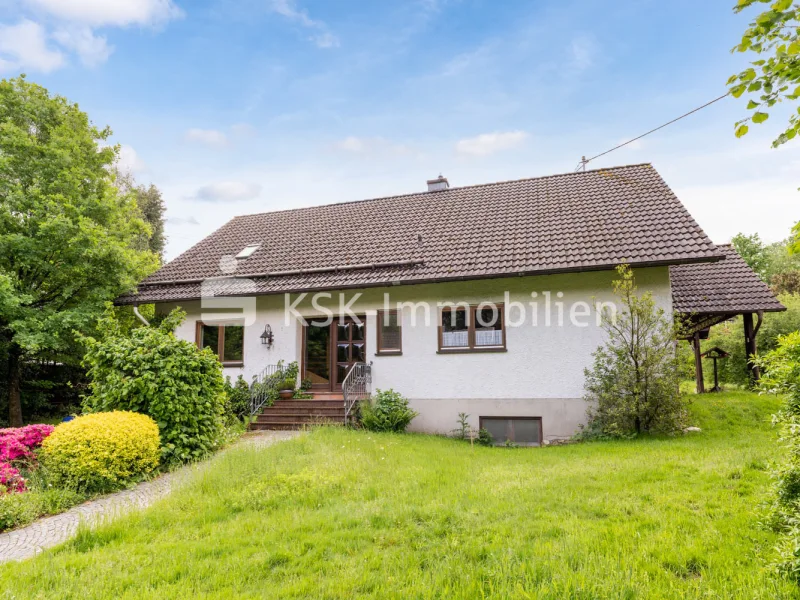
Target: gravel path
pixel 30 540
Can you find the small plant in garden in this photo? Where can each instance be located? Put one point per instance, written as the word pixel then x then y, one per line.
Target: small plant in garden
pixel 17 447
pixel 632 388
pixel 238 395
pixel 782 376
pixel 485 438
pixel 306 383
pixel 101 452
pixel 386 411
pixel 270 388
pixel 151 371
pixel 11 479
pixel 462 432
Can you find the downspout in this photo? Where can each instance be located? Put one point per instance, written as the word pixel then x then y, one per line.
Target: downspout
pixel 139 315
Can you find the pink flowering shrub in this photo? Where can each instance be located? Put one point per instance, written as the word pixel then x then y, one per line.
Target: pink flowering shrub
pixel 10 479
pixel 17 445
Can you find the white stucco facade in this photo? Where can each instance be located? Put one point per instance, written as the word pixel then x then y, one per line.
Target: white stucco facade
pixel 540 374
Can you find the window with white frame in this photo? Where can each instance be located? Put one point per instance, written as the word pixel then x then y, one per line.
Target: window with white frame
pixel 479 328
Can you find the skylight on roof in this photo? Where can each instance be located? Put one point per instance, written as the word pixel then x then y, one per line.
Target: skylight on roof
pixel 248 251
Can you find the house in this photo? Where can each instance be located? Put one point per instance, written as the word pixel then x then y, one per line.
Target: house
pixel 479 299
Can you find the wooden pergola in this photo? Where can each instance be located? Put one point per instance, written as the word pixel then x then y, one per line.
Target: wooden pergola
pixel 706 294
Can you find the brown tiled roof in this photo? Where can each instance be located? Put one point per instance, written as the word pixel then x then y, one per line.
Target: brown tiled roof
pixel 572 222
pixel 727 286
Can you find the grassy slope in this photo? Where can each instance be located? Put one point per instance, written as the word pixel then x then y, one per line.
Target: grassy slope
pixel 341 514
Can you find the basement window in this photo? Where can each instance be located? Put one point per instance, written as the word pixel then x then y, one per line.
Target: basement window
pixel 248 251
pixel 525 431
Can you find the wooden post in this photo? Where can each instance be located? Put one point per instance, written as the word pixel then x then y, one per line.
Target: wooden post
pixel 698 363
pixel 716 376
pixel 750 347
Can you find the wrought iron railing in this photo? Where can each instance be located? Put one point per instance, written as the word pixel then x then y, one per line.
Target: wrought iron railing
pixel 357 386
pixel 263 387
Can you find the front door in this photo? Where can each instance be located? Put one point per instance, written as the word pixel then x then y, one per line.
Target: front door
pixel 317 356
pixel 350 347
pixel 332 350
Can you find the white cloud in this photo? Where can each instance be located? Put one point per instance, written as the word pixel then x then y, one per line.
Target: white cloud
pixel 583 50
pixel 725 209
pixel 489 143
pixel 372 145
pixel 228 191
pixel 190 220
pixel 129 161
pixel 289 9
pixel 118 13
pixel 92 49
pixel 352 144
pixel 207 137
pixel 24 46
pixel 325 40
pixel 243 130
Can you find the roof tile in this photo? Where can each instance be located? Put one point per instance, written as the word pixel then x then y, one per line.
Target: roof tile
pixel 575 221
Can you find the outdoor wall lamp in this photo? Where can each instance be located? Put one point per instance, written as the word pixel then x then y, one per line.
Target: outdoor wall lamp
pixel 266 337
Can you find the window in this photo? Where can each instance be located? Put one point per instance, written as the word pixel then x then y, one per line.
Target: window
pixel 248 251
pixel 478 328
pixel 525 431
pixel 227 342
pixel 390 333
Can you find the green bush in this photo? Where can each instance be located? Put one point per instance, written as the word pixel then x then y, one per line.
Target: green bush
pixel 782 376
pixel 101 452
pixel 632 387
pixel 386 411
pixel 238 398
pixel 153 372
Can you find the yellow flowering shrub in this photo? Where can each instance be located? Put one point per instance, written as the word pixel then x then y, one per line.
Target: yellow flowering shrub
pixel 102 451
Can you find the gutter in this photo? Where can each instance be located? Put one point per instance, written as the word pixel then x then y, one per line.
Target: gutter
pixel 417 281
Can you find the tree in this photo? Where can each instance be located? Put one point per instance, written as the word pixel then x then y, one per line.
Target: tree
pixel 632 387
pixel 67 235
pixel 753 251
pixel 775 34
pixel 782 376
pixel 151 207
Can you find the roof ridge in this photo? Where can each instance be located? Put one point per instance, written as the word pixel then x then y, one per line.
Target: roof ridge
pixel 461 187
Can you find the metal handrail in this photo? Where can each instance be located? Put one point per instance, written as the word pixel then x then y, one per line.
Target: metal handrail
pixel 357 386
pixel 264 383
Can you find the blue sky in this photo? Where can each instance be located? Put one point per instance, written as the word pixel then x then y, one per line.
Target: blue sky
pixel 241 106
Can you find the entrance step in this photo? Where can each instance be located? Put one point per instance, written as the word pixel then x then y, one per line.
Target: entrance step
pixel 299 413
pixel 327 395
pixel 298 418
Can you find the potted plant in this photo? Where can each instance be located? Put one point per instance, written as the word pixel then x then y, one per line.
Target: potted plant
pixel 286 390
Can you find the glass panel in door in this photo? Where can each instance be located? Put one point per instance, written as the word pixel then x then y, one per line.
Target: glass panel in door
pixel 317 359
pixel 350 347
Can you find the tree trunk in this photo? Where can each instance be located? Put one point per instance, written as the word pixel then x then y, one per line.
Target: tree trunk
pixel 14 376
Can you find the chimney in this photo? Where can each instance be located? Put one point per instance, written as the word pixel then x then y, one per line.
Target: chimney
pixel 438 185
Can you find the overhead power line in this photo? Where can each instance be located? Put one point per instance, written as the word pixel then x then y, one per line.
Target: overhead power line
pixel 584 161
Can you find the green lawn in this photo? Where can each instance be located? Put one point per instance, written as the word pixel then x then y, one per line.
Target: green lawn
pixel 344 514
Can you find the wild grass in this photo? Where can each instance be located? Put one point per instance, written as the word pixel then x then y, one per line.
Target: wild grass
pixel 347 514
